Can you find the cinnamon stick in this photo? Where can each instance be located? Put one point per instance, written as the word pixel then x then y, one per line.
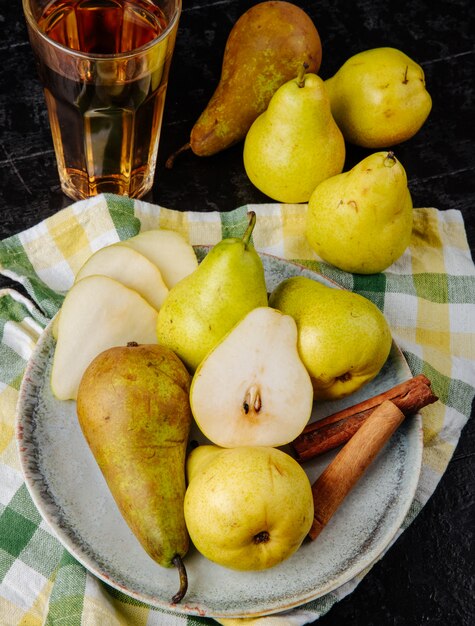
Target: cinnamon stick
pixel 336 429
pixel 341 475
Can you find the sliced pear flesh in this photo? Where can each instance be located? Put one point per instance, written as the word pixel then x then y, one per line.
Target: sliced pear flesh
pixel 130 268
pixel 253 389
pixel 168 250
pixel 97 313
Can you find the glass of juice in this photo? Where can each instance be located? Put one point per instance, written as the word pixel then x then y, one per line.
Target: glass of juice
pixel 104 68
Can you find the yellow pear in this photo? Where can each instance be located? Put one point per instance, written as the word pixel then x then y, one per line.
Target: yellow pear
pixel 295 144
pixel 361 221
pixel 379 98
pixel 248 508
pixel 199 457
pixel 204 306
pixel 343 338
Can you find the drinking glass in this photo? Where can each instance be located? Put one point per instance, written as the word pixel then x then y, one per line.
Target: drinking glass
pixel 104 68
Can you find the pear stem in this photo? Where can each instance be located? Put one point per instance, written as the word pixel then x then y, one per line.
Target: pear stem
pixel 390 159
pixel 178 563
pixel 171 159
pixel 252 222
pixel 301 75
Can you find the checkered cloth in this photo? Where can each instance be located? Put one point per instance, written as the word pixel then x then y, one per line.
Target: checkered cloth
pixel 427 297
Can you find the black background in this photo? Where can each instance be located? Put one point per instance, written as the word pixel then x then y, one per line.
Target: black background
pixel 427 576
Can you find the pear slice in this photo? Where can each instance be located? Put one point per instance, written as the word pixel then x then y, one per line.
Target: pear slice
pixel 252 389
pixel 130 268
pixel 97 313
pixel 168 250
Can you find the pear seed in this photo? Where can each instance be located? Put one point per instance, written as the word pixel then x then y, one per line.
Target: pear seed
pixel 252 399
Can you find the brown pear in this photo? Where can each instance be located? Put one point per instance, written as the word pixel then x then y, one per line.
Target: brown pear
pixel 134 411
pixel 265 48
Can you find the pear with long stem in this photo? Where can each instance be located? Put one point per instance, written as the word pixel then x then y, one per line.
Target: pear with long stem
pixel 295 144
pixel 205 305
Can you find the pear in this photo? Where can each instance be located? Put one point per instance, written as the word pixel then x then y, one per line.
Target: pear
pixel 133 409
pixel 295 144
pixel 248 508
pixel 343 338
pixel 252 389
pixel 168 250
pixel 97 313
pixel 205 305
pixel 130 268
pixel 199 457
pixel 379 98
pixel 263 49
pixel 361 221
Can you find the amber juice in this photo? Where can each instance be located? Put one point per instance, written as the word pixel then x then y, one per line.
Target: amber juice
pixel 105 88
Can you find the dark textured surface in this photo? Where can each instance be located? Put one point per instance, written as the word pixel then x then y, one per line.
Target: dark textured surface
pixel 427 577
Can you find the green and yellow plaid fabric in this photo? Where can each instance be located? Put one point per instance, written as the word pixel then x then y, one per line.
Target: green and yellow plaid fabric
pixel 428 297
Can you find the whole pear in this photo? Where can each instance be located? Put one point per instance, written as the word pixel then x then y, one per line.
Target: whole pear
pixel 295 144
pixel 263 49
pixel 379 98
pixel 248 508
pixel 361 220
pixel 205 305
pixel 133 409
pixel 343 338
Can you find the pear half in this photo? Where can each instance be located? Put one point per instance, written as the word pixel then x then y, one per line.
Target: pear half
pixel 97 313
pixel 252 389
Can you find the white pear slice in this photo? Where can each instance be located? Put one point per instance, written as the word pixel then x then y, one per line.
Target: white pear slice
pixel 252 389
pixel 130 268
pixel 168 250
pixel 97 313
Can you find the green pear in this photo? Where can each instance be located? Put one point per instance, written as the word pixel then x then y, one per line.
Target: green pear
pixel 379 98
pixel 133 409
pixel 248 508
pixel 343 338
pixel 361 220
pixel 205 305
pixel 295 144
pixel 252 389
pixel 263 49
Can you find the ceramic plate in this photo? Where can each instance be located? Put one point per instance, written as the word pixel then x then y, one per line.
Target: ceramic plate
pixel 71 494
